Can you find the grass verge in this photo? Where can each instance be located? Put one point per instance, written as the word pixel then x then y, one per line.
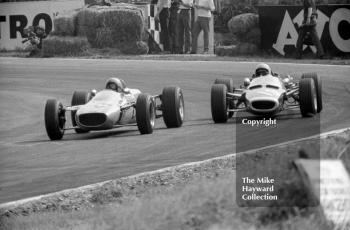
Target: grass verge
pixel 203 203
pixel 110 53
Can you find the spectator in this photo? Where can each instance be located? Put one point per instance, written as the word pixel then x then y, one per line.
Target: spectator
pixel 184 26
pixel 163 16
pixel 173 26
pixel 203 10
pixel 308 28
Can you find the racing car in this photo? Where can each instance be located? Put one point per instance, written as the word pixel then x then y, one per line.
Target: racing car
pixel 266 94
pixel 113 107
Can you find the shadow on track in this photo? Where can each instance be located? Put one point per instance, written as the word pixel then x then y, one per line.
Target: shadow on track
pixel 133 132
pixel 84 136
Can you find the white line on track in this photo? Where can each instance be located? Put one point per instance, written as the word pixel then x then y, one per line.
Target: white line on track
pixel 199 61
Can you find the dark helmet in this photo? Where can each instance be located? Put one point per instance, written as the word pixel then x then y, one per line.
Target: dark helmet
pixel 115 84
pixel 262 69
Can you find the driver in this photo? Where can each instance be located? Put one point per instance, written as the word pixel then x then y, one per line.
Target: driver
pixel 116 84
pixel 262 69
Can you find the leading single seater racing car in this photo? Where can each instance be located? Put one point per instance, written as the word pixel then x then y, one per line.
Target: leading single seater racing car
pixel 113 107
pixel 266 94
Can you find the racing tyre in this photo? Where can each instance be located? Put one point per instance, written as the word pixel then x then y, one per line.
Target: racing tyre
pixel 307 97
pixel 218 103
pixel 318 84
pixel 54 119
pixel 145 113
pixel 230 88
pixel 79 98
pixel 173 107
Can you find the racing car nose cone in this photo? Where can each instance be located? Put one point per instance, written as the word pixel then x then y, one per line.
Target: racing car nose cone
pixel 92 119
pixel 263 105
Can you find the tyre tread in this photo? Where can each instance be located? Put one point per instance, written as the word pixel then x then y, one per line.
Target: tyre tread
pixel 142 114
pixel 52 119
pixel 306 97
pixel 218 103
pixel 171 97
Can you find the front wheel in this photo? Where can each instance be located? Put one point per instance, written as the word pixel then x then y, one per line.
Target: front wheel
pixel 219 103
pixel 318 85
pixel 230 89
pixel 145 113
pixel 307 97
pixel 173 107
pixel 54 119
pixel 79 98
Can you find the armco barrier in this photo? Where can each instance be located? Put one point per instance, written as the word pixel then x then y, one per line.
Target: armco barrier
pixel 280 25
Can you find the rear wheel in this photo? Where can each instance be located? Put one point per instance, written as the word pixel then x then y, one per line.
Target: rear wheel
pixel 145 113
pixel 318 85
pixel 307 97
pixel 218 103
pixel 79 98
pixel 230 88
pixel 173 107
pixel 54 119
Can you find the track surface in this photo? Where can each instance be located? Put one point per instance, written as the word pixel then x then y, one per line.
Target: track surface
pixel 31 165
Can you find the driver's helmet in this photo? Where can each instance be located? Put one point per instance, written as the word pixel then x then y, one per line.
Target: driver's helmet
pixel 115 84
pixel 262 69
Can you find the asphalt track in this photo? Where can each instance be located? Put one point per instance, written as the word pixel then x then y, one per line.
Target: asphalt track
pixel 31 165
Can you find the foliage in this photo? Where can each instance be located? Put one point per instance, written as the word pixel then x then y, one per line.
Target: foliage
pixel 230 11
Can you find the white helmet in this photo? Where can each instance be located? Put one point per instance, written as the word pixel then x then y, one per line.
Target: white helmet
pixel 115 84
pixel 262 69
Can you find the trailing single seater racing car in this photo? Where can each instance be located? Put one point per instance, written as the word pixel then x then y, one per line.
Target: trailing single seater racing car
pixel 113 107
pixel 266 94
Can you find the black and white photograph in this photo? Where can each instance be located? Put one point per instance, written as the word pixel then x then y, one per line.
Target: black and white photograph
pixel 175 114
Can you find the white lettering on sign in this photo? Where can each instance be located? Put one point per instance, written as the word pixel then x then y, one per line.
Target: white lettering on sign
pixel 337 17
pixel 288 34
